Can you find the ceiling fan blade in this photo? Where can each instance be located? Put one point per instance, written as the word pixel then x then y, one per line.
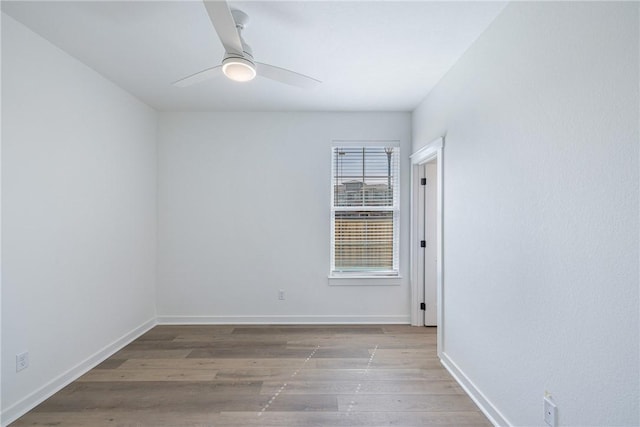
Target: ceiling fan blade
pixel 283 75
pixel 200 76
pixel 225 25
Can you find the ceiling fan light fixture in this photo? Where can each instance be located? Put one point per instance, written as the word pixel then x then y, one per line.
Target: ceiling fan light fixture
pixel 237 62
pixel 239 69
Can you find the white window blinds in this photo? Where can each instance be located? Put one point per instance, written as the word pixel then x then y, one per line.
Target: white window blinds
pixel 365 209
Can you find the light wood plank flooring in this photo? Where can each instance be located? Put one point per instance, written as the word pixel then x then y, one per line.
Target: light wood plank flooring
pixel 299 376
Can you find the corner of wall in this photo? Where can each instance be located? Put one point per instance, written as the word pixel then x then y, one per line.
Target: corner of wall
pixel 21 407
pixel 486 406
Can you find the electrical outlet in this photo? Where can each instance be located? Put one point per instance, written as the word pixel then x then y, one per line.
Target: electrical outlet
pixel 281 294
pixel 550 412
pixel 22 361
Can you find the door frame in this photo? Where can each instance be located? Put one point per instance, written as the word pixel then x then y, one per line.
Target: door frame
pixel 428 153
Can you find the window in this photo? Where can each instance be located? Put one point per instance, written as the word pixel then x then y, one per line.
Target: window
pixel 365 209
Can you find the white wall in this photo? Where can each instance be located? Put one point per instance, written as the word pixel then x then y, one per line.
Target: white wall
pixel 78 219
pixel 541 211
pixel 244 211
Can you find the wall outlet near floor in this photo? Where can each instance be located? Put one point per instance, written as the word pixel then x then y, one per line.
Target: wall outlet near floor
pixel 22 361
pixel 281 294
pixel 550 411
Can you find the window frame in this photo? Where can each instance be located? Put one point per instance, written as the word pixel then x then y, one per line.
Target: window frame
pixel 394 273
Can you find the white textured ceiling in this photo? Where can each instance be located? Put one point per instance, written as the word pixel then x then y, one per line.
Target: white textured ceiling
pixel 370 55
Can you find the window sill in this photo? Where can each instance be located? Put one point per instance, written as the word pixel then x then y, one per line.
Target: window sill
pixel 364 280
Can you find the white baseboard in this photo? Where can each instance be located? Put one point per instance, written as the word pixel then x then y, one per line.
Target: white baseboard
pixel 284 320
pixel 23 406
pixel 487 408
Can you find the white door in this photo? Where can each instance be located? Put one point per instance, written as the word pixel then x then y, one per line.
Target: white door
pixel 430 262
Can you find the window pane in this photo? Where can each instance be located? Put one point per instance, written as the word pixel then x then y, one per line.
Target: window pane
pixel 365 176
pixel 364 241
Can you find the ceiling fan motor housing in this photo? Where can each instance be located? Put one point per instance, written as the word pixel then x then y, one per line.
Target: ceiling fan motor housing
pixel 239 66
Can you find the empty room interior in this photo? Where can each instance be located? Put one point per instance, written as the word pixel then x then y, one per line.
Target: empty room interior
pixel 320 213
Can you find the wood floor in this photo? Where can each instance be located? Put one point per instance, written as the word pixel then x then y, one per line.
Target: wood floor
pixel 302 376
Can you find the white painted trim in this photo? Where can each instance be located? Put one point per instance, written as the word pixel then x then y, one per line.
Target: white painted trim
pixel 284 320
pixel 488 409
pixel 427 152
pixel 364 280
pixel 29 402
pixel 431 151
pixel 370 142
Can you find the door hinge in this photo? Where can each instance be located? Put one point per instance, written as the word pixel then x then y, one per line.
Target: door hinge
pixel 423 243
pixel 423 181
pixel 423 306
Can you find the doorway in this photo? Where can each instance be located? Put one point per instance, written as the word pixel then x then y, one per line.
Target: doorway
pixel 427 275
pixel 429 257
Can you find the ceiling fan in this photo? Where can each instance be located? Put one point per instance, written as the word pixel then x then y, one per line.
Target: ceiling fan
pixel 238 63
